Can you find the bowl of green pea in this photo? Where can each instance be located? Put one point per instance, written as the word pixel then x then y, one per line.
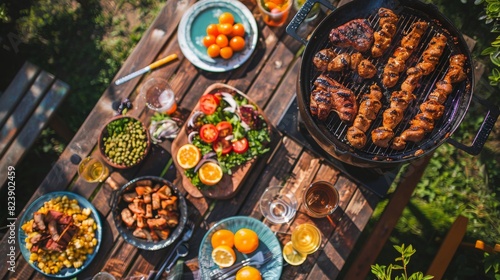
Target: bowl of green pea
pixel 124 142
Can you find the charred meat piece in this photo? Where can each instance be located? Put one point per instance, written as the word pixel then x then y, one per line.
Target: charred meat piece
pixel 387 29
pixel 340 63
pixel 432 54
pixel 366 69
pixel 322 58
pixel 396 64
pixel 392 117
pixel 432 109
pixel 356 33
pixel 381 136
pixel 142 233
pixel 330 95
pixel 127 217
pixel 368 110
pixel 39 223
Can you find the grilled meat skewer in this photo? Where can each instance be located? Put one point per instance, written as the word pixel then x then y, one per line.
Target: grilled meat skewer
pixel 368 110
pixel 383 37
pixel 328 60
pixel 432 109
pixel 396 63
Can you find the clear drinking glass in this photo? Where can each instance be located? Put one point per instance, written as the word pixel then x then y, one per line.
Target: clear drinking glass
pixel 321 198
pixel 277 206
pixel 274 12
pixel 93 170
pixel 159 96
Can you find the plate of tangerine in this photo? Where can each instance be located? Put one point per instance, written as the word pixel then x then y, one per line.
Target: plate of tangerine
pixel 217 35
pixel 236 238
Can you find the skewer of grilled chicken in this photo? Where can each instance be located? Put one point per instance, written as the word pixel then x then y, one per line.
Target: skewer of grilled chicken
pixel 387 29
pixel 328 60
pixel 329 95
pixel 432 109
pixel 396 63
pixel 401 99
pixel 368 110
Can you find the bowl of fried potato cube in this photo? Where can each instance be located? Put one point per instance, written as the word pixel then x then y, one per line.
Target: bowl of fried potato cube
pixel 149 212
pixel 60 234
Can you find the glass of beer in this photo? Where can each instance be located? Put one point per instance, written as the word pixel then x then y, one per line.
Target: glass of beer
pixel 159 96
pixel 93 170
pixel 306 238
pixel 321 199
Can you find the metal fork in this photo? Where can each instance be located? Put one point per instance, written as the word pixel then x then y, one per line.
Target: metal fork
pixel 256 260
pixel 187 235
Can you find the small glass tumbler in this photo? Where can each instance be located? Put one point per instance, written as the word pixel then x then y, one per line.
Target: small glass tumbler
pixel 93 170
pixel 278 207
pixel 321 199
pixel 159 96
pixel 274 12
pixel 103 276
pixel 306 238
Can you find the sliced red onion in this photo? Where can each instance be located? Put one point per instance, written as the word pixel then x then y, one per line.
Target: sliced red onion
pixel 191 135
pixel 229 137
pixel 202 161
pixel 245 125
pixel 209 155
pixel 230 100
pixel 163 129
pixel 193 117
pixel 229 109
pixel 249 106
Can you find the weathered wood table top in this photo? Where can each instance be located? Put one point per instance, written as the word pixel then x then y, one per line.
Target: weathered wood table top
pixel 269 78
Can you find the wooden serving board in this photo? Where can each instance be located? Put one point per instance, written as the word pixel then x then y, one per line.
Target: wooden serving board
pixel 229 184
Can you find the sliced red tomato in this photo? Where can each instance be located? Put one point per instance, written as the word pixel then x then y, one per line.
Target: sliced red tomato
pixel 240 146
pixel 225 128
pixel 209 103
pixel 209 133
pixel 222 146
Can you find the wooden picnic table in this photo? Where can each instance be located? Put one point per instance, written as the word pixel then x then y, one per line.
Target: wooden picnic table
pixel 268 78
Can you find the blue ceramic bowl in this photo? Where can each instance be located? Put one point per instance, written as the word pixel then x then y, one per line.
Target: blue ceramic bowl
pixel 37 204
pixel 267 242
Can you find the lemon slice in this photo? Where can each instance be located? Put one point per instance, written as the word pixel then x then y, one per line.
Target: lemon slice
pixel 210 173
pixel 188 156
pixel 223 256
pixel 291 256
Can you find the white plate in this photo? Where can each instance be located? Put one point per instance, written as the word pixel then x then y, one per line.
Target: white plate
pixel 192 29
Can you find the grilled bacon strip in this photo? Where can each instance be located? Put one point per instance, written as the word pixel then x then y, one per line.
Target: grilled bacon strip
pixel 432 109
pixel 383 37
pixel 329 95
pixel 396 63
pixel 368 110
pixel 356 33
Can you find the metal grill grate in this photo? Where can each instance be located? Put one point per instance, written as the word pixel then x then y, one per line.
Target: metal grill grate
pixel 334 127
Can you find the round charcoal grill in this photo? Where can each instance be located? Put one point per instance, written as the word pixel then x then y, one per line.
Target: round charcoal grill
pixel 331 133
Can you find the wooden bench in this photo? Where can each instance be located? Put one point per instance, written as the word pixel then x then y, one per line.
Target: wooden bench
pixel 26 106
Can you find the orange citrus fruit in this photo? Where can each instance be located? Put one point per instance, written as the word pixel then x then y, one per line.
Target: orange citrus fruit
pixel 208 40
pixel 246 240
pixel 223 256
pixel 222 237
pixel 248 273
pixel 226 17
pixel 237 43
pixel 188 156
pixel 225 28
pixel 212 30
pixel 238 30
pixel 226 52
pixel 221 40
pixel 213 50
pixel 291 256
pixel 210 173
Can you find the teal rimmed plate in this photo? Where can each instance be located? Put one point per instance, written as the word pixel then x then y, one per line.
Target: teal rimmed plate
pixel 37 204
pixel 193 25
pixel 267 242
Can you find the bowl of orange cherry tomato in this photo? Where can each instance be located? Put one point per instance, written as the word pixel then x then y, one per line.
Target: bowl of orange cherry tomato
pixel 217 35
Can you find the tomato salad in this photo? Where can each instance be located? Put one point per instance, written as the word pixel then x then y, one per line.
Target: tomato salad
pixel 228 130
